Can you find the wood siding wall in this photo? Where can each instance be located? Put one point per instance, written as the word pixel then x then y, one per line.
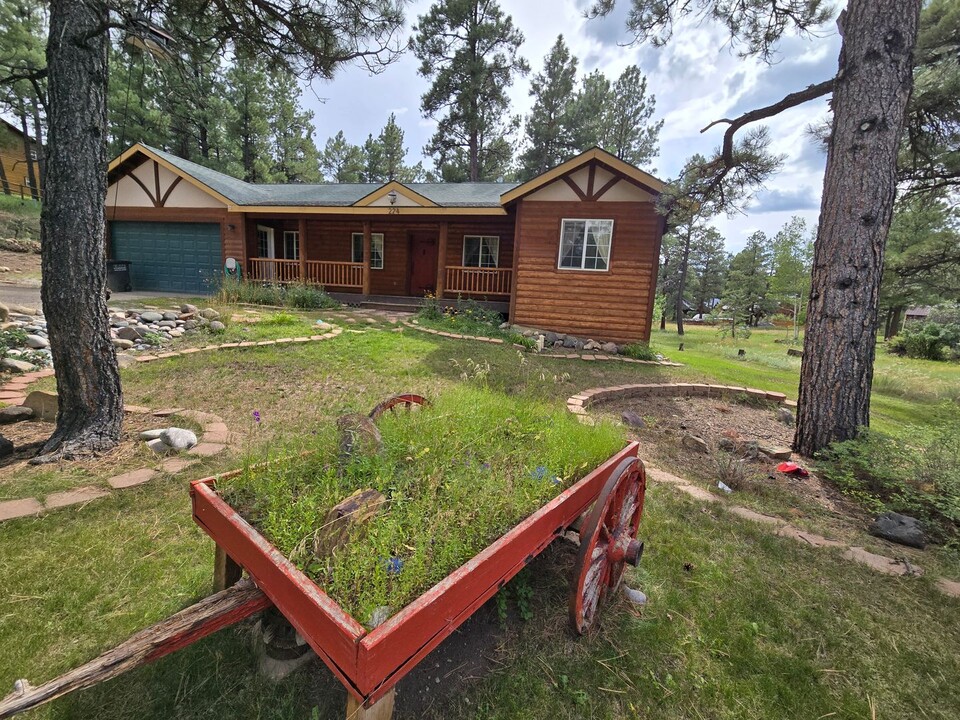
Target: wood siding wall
pixel 15 162
pixel 330 239
pixel 613 305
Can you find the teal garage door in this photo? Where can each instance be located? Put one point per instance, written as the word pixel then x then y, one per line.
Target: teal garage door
pixel 170 257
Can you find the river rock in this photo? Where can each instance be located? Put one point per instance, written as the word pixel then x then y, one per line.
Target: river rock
pixel 125 361
pixel 37 342
pixel 122 344
pixel 171 316
pixel 187 308
pixel 217 326
pixel 17 365
pixel 152 434
pixel 14 413
pixel 159 446
pixel 901 529
pixel 785 416
pixel 129 333
pixel 210 314
pixel 776 453
pixel 179 438
pixel 151 317
pixel 610 347
pixel 6 447
pixel 591 345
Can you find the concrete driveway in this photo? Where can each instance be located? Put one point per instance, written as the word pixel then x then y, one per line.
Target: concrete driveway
pixel 29 296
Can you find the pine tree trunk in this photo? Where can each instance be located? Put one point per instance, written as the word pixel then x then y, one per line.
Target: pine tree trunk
pixel 682 280
pixel 38 143
pixel 895 322
pixel 869 101
pixel 72 234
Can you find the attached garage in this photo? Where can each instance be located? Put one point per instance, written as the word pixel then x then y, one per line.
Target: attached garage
pixel 169 256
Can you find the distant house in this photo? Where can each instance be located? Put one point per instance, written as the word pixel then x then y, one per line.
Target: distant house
pixel 917 314
pixel 573 250
pixel 15 167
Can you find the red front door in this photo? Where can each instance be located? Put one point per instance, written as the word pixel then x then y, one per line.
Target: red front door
pixel 423 263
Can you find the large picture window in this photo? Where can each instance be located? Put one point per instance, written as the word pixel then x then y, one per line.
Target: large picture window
pixel 376 250
pixel 481 251
pixel 585 244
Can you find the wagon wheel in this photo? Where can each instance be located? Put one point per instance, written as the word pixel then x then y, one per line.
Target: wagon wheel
pixel 407 400
pixel 607 542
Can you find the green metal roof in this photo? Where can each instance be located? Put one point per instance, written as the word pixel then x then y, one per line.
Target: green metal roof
pixel 484 194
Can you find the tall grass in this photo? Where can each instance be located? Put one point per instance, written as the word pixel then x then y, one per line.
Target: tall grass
pixel 457 475
pixel 295 295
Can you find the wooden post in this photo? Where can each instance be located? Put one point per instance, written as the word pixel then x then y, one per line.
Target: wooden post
pixel 381 710
pixel 225 571
pixel 517 227
pixel 366 257
pixel 442 259
pixel 303 249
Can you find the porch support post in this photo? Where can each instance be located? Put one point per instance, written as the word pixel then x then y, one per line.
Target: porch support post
pixel 517 229
pixel 366 257
pixel 442 259
pixel 303 249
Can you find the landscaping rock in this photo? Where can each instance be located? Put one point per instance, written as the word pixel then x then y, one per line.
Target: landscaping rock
pixel 776 453
pixel 125 361
pixel 210 314
pixel 632 419
pixel 129 333
pixel 178 438
pixel 217 326
pixel 159 446
pixel 591 345
pixel 637 597
pixel 550 338
pixel 695 443
pixel 323 326
pixel 151 434
pixel 171 316
pixel 569 341
pixel 167 323
pixel 6 447
pixel 14 413
pixel 610 347
pixel 901 529
pixel 37 342
pixel 17 365
pixel 122 344
pixel 785 416
pixel 151 317
pixel 358 436
pixel 43 404
pixel 187 308
pixel 4 312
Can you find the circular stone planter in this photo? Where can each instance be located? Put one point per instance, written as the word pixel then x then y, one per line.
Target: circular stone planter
pixel 578 404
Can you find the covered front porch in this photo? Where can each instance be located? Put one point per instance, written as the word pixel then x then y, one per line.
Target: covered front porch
pixel 386 257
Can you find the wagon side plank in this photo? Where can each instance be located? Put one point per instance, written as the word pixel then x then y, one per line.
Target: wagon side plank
pixel 433 616
pixel 187 626
pixel 316 616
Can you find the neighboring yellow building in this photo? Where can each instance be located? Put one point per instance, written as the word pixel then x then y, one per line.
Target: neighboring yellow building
pixel 14 168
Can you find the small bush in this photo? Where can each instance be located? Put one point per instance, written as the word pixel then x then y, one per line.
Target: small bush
pixel 915 473
pixel 281 318
pixel 929 341
pixel 297 295
pixel 638 351
pixel 308 297
pixel 467 318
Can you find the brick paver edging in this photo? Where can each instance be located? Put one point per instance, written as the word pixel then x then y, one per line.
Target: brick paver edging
pixel 564 355
pixel 578 404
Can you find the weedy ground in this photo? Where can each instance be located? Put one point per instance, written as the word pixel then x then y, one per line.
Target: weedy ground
pixel 740 624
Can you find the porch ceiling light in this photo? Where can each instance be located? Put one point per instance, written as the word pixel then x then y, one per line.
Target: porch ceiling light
pixel 393 197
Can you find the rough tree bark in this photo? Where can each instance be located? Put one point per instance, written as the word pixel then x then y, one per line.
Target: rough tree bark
pixel 73 256
pixel 682 278
pixel 870 97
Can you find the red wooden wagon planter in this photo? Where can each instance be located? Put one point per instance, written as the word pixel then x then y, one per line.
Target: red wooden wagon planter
pixel 370 663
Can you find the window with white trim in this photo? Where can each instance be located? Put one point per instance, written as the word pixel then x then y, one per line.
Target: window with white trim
pixel 481 251
pixel 376 250
pixel 585 244
pixel 291 244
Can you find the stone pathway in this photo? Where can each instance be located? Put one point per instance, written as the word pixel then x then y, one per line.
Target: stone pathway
pixel 579 403
pixel 552 354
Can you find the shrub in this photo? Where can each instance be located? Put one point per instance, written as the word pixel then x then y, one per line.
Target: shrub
pixel 468 317
pixel 298 295
pixel 915 473
pixel 638 351
pixel 929 341
pixel 308 297
pixel 280 318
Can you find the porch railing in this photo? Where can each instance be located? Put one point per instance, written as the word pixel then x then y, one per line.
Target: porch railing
pixel 320 272
pixel 268 269
pixel 335 274
pixel 478 281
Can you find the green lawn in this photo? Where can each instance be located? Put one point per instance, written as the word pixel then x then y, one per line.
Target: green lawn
pixel 740 624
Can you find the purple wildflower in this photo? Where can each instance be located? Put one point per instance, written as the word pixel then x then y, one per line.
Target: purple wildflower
pixel 256 416
pixel 394 566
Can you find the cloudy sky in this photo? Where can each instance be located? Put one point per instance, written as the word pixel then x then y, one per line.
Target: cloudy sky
pixel 696 79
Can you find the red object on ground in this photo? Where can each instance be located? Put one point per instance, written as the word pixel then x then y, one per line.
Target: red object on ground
pixel 791 468
pixel 370 663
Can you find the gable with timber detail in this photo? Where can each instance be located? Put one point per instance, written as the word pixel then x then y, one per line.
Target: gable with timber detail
pixel 594 183
pixel 151 185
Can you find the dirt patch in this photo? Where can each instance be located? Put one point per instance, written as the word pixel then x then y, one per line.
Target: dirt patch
pixel 23 266
pixel 669 419
pixel 28 437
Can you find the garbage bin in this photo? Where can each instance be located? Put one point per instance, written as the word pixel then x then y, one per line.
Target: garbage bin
pixel 118 275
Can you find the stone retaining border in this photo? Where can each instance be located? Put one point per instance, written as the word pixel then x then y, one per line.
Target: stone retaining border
pixel 224 346
pixel 578 404
pixel 569 356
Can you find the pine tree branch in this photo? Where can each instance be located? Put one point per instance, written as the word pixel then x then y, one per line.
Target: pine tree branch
pixel 792 100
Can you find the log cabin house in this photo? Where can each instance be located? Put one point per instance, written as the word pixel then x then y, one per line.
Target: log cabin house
pixel 574 250
pixel 19 166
